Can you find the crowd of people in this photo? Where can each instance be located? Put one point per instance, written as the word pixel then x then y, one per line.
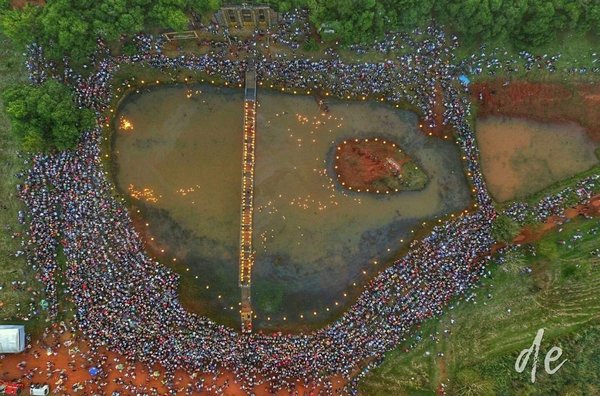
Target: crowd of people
pixel 129 302
pixel 555 204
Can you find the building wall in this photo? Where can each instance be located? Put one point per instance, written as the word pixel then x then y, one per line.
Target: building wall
pixel 246 16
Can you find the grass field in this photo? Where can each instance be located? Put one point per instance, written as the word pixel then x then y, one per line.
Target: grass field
pixel 575 49
pixel 481 346
pixel 12 269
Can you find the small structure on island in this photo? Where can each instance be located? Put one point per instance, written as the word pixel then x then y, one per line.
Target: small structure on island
pixel 245 15
pixel 12 338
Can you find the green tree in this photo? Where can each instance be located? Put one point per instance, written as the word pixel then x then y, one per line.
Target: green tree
pixel 170 14
pixel 591 18
pixel 45 117
pixel 203 6
pixel 505 229
pixel 72 27
pixel 408 14
pixel 538 24
pixel 20 25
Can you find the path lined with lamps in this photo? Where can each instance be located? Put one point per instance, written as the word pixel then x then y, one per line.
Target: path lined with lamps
pixel 247 204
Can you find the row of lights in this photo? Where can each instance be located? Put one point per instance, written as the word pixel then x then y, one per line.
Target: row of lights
pixel 246 259
pixel 327 309
pixel 251 112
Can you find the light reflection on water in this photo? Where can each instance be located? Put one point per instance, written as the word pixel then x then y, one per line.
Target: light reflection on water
pixel 313 239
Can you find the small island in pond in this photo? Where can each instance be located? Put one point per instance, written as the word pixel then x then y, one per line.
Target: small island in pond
pixel 376 166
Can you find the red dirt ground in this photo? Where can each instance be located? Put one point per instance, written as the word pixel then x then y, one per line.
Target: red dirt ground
pixel 62 366
pixel 528 235
pixel 22 3
pixel 548 102
pixel 359 164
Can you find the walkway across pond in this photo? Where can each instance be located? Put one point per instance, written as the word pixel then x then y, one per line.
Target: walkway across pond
pixel 247 202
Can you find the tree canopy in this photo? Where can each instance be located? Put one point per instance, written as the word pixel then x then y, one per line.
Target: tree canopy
pixel 524 23
pixel 364 20
pixel 45 117
pixel 72 27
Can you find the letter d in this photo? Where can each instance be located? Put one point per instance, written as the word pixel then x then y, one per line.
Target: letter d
pixel 520 364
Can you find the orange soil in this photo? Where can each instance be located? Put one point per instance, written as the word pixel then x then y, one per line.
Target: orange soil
pixel 528 234
pixel 22 3
pixel 45 365
pixel 546 102
pixel 359 164
pixel 442 377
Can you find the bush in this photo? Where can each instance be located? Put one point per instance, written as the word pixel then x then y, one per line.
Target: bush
pixel 505 229
pixel 45 117
pixel 311 45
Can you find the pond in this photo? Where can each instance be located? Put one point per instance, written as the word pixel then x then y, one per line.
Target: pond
pixel 177 153
pixel 520 156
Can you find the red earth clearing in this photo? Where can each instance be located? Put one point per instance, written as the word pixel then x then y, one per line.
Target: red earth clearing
pixel 547 102
pixel 362 165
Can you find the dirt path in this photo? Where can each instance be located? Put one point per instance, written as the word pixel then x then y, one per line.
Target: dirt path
pixel 440 130
pixel 529 234
pixel 442 377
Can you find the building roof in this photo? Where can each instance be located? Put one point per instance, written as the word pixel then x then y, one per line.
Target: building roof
pixel 12 338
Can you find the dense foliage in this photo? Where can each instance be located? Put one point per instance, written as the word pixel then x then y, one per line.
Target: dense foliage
pixel 363 20
pixel 45 117
pixel 73 27
pixel 521 22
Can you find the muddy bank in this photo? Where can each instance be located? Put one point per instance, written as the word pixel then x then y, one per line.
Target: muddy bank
pixel 549 102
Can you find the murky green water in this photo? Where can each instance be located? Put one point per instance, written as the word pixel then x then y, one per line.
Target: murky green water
pixel 520 156
pixel 313 239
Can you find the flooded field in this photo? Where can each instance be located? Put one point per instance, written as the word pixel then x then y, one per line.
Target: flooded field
pixel 520 156
pixel 178 154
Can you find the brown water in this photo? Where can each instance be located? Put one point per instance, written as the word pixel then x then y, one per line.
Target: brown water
pixel 313 239
pixel 520 156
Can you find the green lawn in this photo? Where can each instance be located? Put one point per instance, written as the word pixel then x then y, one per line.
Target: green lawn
pixel 575 49
pixel 560 295
pixel 12 70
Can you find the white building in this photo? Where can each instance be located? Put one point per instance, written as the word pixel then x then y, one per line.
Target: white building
pixel 12 338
